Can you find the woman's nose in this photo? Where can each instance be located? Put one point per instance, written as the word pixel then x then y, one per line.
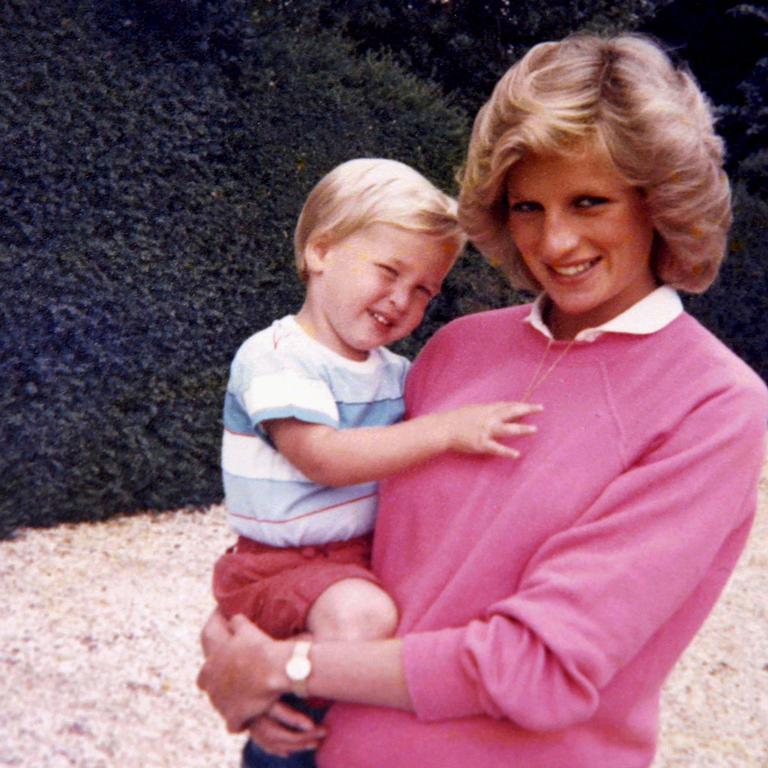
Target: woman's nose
pixel 559 236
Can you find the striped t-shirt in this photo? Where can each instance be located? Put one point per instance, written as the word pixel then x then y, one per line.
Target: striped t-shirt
pixel 281 372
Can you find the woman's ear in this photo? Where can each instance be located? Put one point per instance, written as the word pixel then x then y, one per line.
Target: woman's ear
pixel 316 252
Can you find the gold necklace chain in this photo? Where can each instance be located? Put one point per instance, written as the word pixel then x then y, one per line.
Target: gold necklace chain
pixel 536 379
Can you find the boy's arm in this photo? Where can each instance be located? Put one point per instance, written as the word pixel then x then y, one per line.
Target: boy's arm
pixel 338 457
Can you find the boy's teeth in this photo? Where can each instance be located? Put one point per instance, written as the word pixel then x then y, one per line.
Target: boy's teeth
pixel 380 318
pixel 574 270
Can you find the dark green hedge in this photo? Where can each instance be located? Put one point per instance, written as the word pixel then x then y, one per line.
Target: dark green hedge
pixel 735 308
pixel 465 45
pixel 155 156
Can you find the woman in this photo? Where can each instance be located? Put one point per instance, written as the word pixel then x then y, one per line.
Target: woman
pixel 544 602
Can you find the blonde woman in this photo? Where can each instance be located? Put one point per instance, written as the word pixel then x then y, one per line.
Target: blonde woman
pixel 543 604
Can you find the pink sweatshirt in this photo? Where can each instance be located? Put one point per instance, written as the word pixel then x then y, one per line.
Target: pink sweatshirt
pixel 544 600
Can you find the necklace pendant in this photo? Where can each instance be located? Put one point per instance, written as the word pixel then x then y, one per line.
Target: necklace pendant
pixel 540 376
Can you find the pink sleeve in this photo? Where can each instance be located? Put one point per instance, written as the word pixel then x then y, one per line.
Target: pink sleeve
pixel 651 553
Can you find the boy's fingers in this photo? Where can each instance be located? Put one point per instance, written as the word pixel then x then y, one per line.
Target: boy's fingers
pixel 518 410
pixel 506 429
pixel 517 407
pixel 513 429
pixel 499 449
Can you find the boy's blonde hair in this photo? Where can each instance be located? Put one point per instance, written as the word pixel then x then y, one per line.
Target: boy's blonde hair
pixel 362 192
pixel 624 95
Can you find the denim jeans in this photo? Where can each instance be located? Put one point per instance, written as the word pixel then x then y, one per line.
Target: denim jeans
pixel 255 757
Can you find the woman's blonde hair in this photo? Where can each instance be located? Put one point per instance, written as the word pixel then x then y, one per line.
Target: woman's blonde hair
pixel 625 95
pixel 368 191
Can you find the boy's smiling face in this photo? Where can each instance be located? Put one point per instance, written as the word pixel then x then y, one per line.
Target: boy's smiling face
pixel 372 288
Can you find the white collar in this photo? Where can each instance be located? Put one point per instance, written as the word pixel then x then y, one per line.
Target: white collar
pixel 652 313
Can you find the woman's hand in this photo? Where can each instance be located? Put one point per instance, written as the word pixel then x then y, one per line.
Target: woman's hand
pixel 243 671
pixel 283 730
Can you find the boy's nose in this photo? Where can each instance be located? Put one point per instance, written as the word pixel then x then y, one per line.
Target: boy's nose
pixel 398 297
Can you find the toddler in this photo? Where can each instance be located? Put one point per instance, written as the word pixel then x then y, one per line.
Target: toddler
pixel 313 408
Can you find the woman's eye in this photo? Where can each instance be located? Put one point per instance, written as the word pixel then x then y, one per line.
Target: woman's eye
pixel 524 206
pixel 589 201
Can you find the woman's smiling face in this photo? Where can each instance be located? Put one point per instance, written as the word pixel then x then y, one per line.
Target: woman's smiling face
pixel 585 235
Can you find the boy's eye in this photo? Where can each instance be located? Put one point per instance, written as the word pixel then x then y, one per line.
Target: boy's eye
pixel 390 271
pixel 425 291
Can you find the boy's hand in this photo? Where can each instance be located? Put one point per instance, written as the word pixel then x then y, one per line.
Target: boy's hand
pixel 480 428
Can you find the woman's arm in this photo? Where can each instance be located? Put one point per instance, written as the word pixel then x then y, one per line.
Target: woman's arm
pixel 632 578
pixel 663 536
pixel 636 573
pixel 244 672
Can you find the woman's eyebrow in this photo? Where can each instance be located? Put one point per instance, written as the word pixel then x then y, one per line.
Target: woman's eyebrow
pixel 513 191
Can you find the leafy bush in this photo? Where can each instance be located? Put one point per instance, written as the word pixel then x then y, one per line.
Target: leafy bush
pixel 736 306
pixel 727 55
pixel 160 155
pixel 463 45
pixel 156 156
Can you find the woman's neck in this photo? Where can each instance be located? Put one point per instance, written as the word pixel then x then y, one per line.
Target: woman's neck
pixel 563 327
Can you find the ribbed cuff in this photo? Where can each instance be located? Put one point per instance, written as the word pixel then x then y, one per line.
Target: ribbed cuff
pixel 439 686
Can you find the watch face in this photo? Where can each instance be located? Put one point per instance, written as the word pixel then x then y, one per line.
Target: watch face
pixel 298 668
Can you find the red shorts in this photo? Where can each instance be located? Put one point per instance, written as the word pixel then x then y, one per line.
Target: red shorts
pixel 276 586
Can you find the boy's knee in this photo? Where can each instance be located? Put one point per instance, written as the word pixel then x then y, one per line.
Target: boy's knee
pixel 353 609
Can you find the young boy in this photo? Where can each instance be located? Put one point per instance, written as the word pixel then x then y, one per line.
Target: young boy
pixel 314 402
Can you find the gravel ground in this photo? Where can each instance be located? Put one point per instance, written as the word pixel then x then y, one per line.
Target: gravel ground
pixel 99 652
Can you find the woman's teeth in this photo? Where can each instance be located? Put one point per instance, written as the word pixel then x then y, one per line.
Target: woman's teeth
pixel 576 269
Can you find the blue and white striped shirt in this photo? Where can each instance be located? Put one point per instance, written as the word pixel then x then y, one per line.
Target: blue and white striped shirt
pixel 281 372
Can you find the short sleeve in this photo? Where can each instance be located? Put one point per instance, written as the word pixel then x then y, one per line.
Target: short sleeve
pixel 276 383
pixel 289 394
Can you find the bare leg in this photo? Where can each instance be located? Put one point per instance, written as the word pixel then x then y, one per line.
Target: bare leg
pixel 350 609
pixel 353 609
